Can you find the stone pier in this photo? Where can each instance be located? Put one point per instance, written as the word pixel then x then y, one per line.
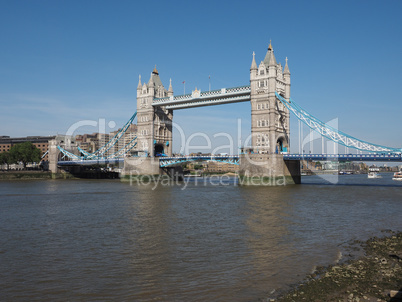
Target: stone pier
pixel 268 169
pixel 135 167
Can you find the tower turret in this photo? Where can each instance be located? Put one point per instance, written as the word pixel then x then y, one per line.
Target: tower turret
pixel 170 91
pixel 272 66
pixel 253 63
pixel 286 69
pixel 286 78
pixel 139 87
pixel 151 85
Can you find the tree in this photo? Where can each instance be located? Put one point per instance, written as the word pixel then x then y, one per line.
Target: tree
pixel 6 158
pixel 26 153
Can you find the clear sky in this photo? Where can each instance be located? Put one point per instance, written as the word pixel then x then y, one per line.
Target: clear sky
pixel 62 62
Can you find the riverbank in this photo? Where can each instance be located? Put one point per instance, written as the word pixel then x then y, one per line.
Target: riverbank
pixel 34 175
pixel 372 277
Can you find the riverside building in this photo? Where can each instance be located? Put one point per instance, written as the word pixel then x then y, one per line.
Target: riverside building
pixel 40 142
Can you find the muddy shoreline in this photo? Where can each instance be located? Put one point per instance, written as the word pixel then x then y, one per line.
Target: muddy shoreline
pixel 372 275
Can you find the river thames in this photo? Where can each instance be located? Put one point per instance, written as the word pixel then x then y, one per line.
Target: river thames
pixel 97 240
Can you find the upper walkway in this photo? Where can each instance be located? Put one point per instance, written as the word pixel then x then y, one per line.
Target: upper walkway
pixel 208 98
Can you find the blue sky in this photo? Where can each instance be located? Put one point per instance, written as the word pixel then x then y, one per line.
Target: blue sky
pixel 62 62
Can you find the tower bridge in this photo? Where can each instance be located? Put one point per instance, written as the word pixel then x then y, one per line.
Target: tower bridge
pixel 268 156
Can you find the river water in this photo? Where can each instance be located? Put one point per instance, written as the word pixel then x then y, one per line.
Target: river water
pixel 97 240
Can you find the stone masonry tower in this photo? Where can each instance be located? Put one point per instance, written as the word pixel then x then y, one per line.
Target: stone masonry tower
pixel 265 165
pixel 269 117
pixel 154 123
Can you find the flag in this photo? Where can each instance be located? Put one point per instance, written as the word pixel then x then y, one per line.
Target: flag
pixel 184 82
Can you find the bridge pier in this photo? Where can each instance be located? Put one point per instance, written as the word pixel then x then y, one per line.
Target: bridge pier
pixel 148 167
pixel 53 156
pixel 137 166
pixel 268 169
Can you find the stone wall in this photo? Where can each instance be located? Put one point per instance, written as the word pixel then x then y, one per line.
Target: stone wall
pixel 141 166
pixel 271 169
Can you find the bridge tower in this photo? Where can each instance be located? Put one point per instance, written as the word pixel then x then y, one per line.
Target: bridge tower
pixel 154 123
pixel 269 126
pixel 269 117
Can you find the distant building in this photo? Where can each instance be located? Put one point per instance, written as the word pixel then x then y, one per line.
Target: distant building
pixel 212 166
pixel 220 167
pixel 40 142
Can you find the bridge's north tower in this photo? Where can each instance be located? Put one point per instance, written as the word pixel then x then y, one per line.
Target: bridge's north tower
pixel 269 117
pixel 269 125
pixel 154 123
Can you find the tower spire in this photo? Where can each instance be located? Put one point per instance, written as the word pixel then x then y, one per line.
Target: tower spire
pixel 151 81
pixel 139 83
pixel 170 86
pixel 170 91
pixel 269 57
pixel 155 71
pixel 272 60
pixel 253 63
pixel 286 70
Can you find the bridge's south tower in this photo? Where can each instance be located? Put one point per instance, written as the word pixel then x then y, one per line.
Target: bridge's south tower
pixel 269 117
pixel 269 126
pixel 154 123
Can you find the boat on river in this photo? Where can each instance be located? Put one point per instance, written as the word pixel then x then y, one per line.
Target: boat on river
pixel 373 173
pixel 397 176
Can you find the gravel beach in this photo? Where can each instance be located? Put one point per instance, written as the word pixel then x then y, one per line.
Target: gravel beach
pixel 374 276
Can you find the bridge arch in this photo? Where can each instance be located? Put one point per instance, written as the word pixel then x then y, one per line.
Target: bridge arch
pixel 282 144
pixel 159 149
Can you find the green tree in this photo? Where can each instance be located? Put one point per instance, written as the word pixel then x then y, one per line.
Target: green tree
pixel 6 159
pixel 26 153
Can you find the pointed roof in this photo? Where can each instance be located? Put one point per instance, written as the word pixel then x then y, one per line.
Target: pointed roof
pixel 272 60
pixel 286 70
pixel 155 71
pixel 270 57
pixel 155 81
pixel 151 80
pixel 139 83
pixel 170 86
pixel 270 45
pixel 253 63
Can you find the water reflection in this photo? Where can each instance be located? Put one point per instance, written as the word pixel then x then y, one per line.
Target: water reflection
pixel 106 240
pixel 150 242
pixel 267 219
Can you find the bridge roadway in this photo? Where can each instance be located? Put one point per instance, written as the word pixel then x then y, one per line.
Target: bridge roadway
pixel 207 98
pixel 234 159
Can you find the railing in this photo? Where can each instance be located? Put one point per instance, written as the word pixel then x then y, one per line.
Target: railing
pixel 200 103
pixel 225 93
pixel 170 161
pixel 345 157
pixel 90 162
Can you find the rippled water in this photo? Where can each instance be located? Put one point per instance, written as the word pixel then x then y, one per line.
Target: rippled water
pixel 101 240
